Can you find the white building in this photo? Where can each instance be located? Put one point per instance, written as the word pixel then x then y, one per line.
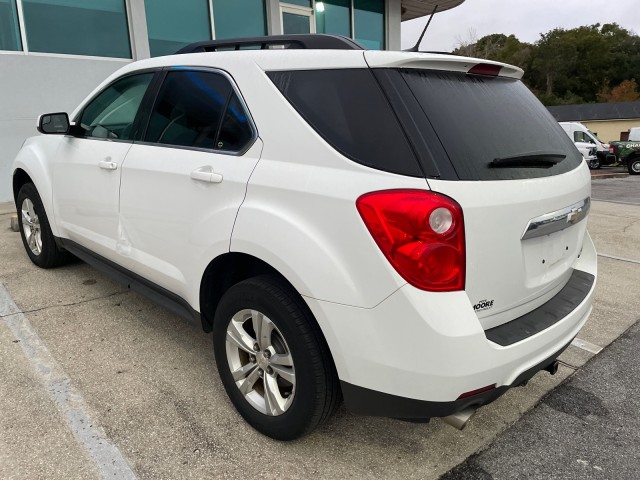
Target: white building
pixel 54 52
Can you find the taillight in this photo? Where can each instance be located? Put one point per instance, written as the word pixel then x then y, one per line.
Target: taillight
pixel 421 233
pixel 485 69
pixel 612 149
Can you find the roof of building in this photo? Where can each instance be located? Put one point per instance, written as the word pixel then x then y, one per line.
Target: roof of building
pixel 596 111
pixel 419 8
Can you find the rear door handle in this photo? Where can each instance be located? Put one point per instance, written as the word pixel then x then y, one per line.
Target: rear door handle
pixel 107 165
pixel 205 174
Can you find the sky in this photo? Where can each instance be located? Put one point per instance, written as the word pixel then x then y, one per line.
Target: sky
pixel 526 19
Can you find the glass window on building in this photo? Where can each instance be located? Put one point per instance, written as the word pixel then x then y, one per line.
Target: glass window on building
pixel 293 23
pixel 77 27
pixel 171 25
pixel 302 3
pixel 333 16
pixel 239 18
pixel 368 20
pixel 9 29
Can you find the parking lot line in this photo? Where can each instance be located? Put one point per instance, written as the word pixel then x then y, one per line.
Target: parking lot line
pixel 69 402
pixel 588 346
pixel 622 259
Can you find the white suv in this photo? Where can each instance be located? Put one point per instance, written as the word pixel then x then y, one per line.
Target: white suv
pixel 403 230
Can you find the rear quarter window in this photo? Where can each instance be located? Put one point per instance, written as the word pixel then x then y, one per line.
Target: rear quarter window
pixel 349 110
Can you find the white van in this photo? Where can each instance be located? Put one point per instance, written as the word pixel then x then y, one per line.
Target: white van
pixel 634 134
pixel 585 141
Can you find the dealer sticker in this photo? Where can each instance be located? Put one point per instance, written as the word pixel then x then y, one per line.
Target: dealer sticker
pixel 483 305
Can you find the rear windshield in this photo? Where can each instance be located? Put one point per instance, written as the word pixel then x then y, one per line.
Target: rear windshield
pixel 479 119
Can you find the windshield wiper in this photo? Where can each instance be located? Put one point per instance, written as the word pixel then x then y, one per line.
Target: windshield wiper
pixel 532 159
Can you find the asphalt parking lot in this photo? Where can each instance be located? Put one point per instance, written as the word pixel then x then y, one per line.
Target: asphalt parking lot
pixel 587 428
pixel 99 382
pixel 622 190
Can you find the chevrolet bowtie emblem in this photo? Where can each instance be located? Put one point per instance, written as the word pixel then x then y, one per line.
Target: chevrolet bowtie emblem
pixel 574 216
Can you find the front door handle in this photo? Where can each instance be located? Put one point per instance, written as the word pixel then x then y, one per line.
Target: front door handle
pixel 206 174
pixel 107 165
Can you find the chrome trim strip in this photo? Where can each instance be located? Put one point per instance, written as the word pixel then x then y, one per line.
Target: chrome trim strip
pixel 556 221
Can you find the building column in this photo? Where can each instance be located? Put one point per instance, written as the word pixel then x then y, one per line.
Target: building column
pixel 274 20
pixel 138 29
pixel 393 24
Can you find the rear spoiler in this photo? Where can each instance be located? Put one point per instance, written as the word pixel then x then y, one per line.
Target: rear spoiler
pixel 436 61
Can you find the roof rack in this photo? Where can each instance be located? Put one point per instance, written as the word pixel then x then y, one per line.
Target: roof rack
pixel 312 41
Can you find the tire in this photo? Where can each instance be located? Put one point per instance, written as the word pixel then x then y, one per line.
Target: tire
pixel 594 164
pixel 633 165
pixel 281 401
pixel 37 238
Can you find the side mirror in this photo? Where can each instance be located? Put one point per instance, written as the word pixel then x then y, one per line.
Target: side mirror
pixel 54 123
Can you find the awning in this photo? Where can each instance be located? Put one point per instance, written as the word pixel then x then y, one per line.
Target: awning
pixel 420 8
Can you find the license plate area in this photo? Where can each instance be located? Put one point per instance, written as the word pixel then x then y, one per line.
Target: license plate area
pixel 547 258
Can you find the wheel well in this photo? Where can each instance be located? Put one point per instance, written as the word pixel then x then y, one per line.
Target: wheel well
pixel 632 157
pixel 223 273
pixel 229 269
pixel 20 177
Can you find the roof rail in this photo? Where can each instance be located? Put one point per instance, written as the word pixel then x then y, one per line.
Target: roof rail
pixel 311 41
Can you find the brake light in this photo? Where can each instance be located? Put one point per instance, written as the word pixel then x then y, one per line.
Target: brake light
pixel 420 233
pixel 612 149
pixel 485 69
pixel 476 392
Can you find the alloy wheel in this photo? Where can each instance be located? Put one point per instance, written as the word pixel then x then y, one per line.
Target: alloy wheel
pixel 260 362
pixel 31 227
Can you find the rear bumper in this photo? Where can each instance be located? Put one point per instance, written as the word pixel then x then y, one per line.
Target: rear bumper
pixel 547 314
pixel 416 353
pixel 363 401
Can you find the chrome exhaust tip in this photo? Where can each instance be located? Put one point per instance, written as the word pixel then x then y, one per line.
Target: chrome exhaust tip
pixel 459 420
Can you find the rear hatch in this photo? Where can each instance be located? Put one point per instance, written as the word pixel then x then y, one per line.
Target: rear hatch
pixel 475 133
pixel 487 142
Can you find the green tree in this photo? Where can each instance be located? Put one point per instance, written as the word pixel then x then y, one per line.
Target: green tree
pixel 567 66
pixel 499 47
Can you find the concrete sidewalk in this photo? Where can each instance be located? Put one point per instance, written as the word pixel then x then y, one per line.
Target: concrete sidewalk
pixel 149 382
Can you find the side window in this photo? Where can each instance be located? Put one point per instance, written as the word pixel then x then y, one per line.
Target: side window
pixel 581 137
pixel 112 113
pixel 198 109
pixel 349 110
pixel 236 131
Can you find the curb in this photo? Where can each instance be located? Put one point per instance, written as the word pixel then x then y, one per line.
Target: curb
pixel 14 223
pixel 608 175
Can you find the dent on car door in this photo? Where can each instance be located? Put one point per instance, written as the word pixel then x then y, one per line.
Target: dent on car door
pixel 184 183
pixel 86 175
